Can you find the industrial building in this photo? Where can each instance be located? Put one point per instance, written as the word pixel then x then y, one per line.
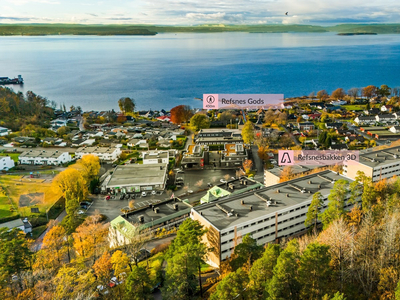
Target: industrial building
pixel 132 178
pixel 268 214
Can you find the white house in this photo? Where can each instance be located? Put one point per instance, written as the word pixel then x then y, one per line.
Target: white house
pixel 44 157
pixel 23 225
pixel 386 118
pixel 338 102
pixel 155 157
pixel 103 153
pixel 6 163
pixel 4 131
pixel 395 129
pixel 365 120
pixel 386 108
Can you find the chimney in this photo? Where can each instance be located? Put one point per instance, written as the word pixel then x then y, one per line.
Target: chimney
pixel 156 210
pixel 278 191
pixel 309 182
pixel 175 206
pixel 242 202
pixel 141 219
pixel 251 207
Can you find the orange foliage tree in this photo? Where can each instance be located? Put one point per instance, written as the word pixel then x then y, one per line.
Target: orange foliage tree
pixel 102 268
pixel 181 113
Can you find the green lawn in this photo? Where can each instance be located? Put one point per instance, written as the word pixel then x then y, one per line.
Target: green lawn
pixel 355 107
pixel 14 156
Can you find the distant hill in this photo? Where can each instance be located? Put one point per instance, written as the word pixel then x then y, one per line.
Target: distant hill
pixel 137 29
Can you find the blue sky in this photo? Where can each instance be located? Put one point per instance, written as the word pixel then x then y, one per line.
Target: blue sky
pixel 192 12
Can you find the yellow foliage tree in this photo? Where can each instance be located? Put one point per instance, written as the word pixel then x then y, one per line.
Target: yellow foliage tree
pixel 89 165
pixel 121 264
pixel 54 246
pixel 102 268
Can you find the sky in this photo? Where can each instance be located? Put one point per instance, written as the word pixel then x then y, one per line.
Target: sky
pixel 193 12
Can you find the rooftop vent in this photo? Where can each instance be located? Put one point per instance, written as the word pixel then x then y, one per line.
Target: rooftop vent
pixel 242 202
pixel 141 219
pixel 157 210
pixel 287 195
pixel 175 206
pixel 309 182
pixel 251 207
pixel 278 191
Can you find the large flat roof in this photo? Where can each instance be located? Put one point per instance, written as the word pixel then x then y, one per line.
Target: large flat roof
pixel 320 182
pixel 153 155
pixel 380 157
pixel 296 169
pixel 100 150
pixel 42 153
pixel 137 174
pixel 165 212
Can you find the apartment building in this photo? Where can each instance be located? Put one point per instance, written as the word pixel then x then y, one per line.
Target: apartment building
pixel 6 163
pixel 268 214
pixel 44 157
pixel 104 153
pixel 219 136
pixel 377 164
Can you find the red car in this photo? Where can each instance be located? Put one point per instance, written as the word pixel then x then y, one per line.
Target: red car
pixel 108 197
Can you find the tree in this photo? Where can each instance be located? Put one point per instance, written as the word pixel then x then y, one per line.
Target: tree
pixel 247 165
pixel 89 164
pixel 322 95
pixel 286 174
pixel 15 255
pixel 311 95
pixel 71 184
pixel 336 202
pixel 314 211
pixel 63 130
pixel 384 91
pixel 262 271
pixel 138 285
pixel 121 264
pixel 314 271
pixel 126 105
pixel 199 121
pixel 248 132
pixel 102 268
pixel 232 286
pixel 338 94
pixel 246 252
pixel 54 246
pixel 180 114
pixel 353 92
pixel 284 284
pixel 369 91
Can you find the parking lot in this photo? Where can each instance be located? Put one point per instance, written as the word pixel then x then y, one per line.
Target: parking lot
pixel 191 182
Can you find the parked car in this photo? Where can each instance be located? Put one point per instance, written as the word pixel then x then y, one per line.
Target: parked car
pixel 144 194
pixel 108 197
pixel 153 192
pixel 142 254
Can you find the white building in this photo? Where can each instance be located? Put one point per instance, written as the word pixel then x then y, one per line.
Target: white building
pixel 6 163
pixel 267 214
pixel 103 153
pixel 23 225
pixel 338 102
pixel 155 157
pixel 4 131
pixel 44 157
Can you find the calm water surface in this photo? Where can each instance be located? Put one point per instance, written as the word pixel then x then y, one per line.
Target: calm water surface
pixel 166 70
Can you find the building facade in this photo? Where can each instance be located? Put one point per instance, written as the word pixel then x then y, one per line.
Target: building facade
pixel 103 153
pixel 44 157
pixel 6 163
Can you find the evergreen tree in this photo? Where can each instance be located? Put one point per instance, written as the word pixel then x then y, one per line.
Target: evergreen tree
pixel 262 271
pixel 314 271
pixel 284 284
pixel 336 202
pixel 138 285
pixel 314 211
pixel 233 286
pixel 246 252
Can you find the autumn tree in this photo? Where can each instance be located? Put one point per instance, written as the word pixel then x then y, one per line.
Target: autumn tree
pixel 314 211
pixel 338 94
pixel 121 264
pixel 54 246
pixel 286 174
pixel 90 238
pixel 353 92
pixel 89 165
pixel 102 268
pixel 247 165
pixel 180 114
pixel 322 95
pixel 248 132
pixel 384 91
pixel 126 105
pixel 199 121
pixel 72 284
pixel 262 152
pixel 369 91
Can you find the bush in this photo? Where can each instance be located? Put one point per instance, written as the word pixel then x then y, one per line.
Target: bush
pixel 8 219
pixel 160 248
pixel 37 220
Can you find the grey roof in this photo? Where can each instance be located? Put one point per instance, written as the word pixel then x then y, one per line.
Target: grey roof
pixel 320 182
pixel 41 153
pixel 137 174
pixel 296 169
pixel 102 150
pixel 165 212
pixel 12 224
pixel 380 157
pixel 156 154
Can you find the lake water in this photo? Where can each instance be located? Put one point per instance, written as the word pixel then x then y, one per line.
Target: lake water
pixel 166 70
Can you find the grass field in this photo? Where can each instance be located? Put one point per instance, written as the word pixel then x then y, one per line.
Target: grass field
pixel 16 185
pixel 355 107
pixel 14 156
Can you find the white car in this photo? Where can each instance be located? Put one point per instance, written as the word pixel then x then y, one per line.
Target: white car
pixel 153 192
pixel 144 194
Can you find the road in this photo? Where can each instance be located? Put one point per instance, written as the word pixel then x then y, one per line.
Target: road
pixel 291 135
pixel 258 164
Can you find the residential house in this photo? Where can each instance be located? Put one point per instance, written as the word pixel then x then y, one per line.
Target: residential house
pixel 6 163
pixel 395 129
pixel 386 108
pixel 386 118
pixel 363 120
pixel 23 225
pixel 306 126
pixel 334 125
pixel 338 102
pixel 104 153
pixel 44 157
pixel 4 131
